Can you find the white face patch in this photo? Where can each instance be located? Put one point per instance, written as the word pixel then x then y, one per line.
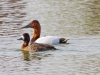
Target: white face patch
pixel 22 37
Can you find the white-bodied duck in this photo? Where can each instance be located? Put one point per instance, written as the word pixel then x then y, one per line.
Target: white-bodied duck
pixel 47 39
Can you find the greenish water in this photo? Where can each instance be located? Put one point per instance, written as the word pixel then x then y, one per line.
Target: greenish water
pixel 78 20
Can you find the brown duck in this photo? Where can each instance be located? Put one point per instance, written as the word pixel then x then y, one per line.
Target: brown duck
pixel 34 46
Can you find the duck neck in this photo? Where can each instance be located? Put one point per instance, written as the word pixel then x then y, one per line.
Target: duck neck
pixel 37 32
pixel 25 44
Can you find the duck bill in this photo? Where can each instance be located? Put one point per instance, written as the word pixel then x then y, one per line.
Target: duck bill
pixel 27 26
pixel 21 38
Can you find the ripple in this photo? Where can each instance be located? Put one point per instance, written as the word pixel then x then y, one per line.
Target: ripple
pixel 78 20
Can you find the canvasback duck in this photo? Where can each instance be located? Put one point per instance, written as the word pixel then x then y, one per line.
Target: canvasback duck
pixel 34 46
pixel 47 39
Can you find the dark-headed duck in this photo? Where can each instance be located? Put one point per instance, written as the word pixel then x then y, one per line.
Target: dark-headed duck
pixel 34 46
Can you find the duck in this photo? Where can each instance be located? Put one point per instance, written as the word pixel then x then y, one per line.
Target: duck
pixel 35 47
pixel 53 40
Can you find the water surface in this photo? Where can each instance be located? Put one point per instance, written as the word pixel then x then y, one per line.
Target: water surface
pixel 78 20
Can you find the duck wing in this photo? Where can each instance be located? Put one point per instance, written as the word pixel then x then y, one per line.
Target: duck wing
pixel 41 47
pixel 48 40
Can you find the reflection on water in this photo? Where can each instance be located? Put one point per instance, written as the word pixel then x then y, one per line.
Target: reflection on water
pixel 26 55
pixel 77 19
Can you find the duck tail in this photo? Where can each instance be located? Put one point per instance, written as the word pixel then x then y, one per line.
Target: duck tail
pixel 63 40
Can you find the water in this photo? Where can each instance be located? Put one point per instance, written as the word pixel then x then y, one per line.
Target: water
pixel 78 20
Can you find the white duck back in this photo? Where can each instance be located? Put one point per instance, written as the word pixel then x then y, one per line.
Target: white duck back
pixel 48 40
